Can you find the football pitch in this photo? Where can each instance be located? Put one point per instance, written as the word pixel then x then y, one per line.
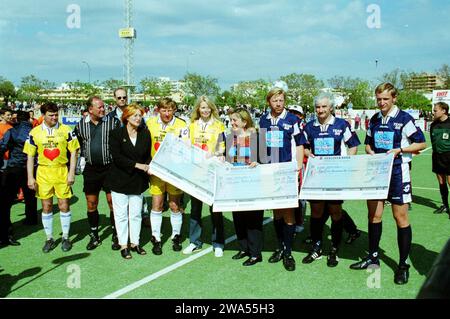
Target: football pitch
pixel 26 272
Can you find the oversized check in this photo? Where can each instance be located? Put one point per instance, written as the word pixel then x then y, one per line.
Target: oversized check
pixel 268 186
pixel 347 177
pixel 186 167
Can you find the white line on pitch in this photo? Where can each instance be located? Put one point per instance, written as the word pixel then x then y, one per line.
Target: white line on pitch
pixel 426 188
pixel 168 269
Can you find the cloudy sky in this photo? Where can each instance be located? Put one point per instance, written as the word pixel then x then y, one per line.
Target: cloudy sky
pixel 231 40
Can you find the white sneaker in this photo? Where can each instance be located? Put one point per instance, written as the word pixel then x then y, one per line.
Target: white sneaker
pixel 218 252
pixel 190 249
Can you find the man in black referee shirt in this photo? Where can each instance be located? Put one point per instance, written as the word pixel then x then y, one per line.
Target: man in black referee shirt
pixel 93 134
pixel 440 141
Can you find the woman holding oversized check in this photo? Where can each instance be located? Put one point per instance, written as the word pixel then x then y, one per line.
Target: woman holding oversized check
pixel 326 136
pixel 392 131
pixel 242 150
pixel 207 132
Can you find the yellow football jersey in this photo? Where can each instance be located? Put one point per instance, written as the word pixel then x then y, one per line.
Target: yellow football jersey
pixel 208 136
pixel 158 130
pixel 51 144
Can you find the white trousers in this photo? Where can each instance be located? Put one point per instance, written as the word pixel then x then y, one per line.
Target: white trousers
pixel 127 216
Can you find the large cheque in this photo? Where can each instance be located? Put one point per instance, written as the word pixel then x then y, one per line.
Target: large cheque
pixel 347 177
pixel 186 167
pixel 268 186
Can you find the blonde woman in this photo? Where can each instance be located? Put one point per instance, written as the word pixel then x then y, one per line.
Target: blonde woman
pixel 207 132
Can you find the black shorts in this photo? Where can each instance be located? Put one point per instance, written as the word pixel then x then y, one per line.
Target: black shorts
pixel 94 179
pixel 441 163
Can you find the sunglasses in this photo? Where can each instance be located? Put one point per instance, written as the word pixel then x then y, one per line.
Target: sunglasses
pixel 121 97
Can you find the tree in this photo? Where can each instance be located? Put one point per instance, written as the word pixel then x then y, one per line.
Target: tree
pixel 302 88
pixel 112 84
pixel 7 90
pixel 155 88
pixel 82 90
pixel 32 87
pixel 197 85
pixel 251 92
pixel 444 73
pixel 411 99
pixel 355 90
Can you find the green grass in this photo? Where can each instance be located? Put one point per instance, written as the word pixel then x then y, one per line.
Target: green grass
pixel 26 272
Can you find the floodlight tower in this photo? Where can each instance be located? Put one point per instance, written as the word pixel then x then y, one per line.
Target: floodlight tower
pixel 129 35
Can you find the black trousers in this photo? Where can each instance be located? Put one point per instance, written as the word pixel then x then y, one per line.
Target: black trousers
pixel 248 226
pixel 15 178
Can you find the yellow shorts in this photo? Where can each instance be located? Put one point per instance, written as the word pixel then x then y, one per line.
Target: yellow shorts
pixel 159 187
pixel 52 181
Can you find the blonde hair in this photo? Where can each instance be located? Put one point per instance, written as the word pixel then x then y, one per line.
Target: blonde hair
pixel 196 110
pixel 130 110
pixel 275 91
pixel 386 86
pixel 244 115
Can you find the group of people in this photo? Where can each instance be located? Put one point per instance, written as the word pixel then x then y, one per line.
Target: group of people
pixel 118 148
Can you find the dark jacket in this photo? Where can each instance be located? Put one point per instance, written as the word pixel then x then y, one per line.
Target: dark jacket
pixel 124 177
pixel 13 140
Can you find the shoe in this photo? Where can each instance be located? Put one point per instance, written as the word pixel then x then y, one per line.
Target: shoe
pixel 276 256
pixel 94 242
pixel 218 252
pixel 115 242
pixel 289 262
pixel 49 245
pixel 191 248
pixel 308 240
pixel 241 254
pixel 441 210
pixel 157 246
pixel 352 237
pixel 314 254
pixel 10 241
pixel 401 275
pixel 176 243
pixel 138 249
pixel 252 261
pixel 66 244
pixel 146 221
pixel 332 259
pixel 125 253
pixel 365 263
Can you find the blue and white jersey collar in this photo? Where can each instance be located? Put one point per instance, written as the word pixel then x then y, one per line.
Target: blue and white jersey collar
pixel 281 116
pixel 392 113
pixel 330 121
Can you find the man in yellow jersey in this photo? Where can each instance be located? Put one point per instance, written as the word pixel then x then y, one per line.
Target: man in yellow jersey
pixel 52 141
pixel 165 122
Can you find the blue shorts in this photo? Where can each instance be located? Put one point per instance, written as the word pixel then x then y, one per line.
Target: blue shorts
pixel 400 186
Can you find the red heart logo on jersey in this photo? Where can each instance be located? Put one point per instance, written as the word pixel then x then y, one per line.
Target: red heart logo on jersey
pixel 51 154
pixel 157 146
pixel 204 147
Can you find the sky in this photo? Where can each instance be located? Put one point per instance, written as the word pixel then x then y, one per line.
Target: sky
pixel 231 40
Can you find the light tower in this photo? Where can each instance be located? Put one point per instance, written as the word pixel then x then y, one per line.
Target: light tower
pixel 128 34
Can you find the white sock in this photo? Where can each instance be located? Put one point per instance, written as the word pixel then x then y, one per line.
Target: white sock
pixel 47 222
pixel 156 221
pixel 176 220
pixel 65 223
